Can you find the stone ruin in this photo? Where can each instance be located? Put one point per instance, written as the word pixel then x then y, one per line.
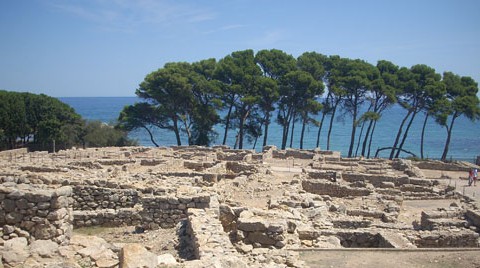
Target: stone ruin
pixel 232 208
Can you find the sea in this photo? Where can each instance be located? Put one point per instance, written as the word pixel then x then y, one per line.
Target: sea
pixel 464 145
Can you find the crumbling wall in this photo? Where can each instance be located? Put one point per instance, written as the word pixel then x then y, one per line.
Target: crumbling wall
pixel 166 211
pixel 333 189
pixel 237 167
pixel 447 239
pixel 439 165
pixel 35 213
pixel 431 220
pixel 473 216
pixel 88 197
pixel 207 236
pixel 150 212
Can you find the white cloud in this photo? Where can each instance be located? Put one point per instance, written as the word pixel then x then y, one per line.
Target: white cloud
pixel 269 39
pixel 129 15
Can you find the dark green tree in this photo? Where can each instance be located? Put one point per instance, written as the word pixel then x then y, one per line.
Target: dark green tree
pixel 316 64
pixel 169 90
pixel 143 116
pixel 297 87
pixel 414 83
pixel 274 64
pixel 206 94
pixel 462 96
pixel 356 78
pixel 240 74
pixel 381 96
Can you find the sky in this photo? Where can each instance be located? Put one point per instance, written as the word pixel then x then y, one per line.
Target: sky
pixel 79 48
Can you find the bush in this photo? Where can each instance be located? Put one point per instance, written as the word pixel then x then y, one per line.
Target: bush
pixel 99 134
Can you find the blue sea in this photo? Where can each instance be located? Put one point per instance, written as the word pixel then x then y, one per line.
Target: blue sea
pixel 465 143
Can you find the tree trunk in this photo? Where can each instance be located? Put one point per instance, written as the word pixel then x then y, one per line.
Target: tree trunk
pixel 187 130
pixel 304 123
pixel 177 132
pixel 423 135
pixel 354 129
pixel 371 138
pixel 449 135
pixel 365 140
pixel 320 130
pixel 405 134
pixel 267 123
pixel 291 132
pixel 227 124
pixel 359 138
pixel 286 127
pixel 151 136
pixel 400 129
pixel 331 125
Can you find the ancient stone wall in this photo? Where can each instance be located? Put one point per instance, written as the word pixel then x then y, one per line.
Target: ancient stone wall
pixel 207 235
pixel 333 189
pixel 150 211
pixel 35 213
pixel 447 238
pixel 431 220
pixel 88 197
pixel 107 217
pixel 11 153
pixel 166 211
pixel 237 167
pixel 473 216
pixel 439 165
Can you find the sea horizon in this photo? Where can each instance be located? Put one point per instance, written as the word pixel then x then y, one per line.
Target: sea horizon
pixel 464 146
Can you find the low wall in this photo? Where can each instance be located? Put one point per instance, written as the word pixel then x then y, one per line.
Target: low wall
pixel 150 212
pixel 439 165
pixel 431 220
pixel 88 197
pixel 11 153
pixel 207 236
pixel 378 180
pixel 107 217
pixel 237 167
pixel 166 211
pixel 333 189
pixel 36 213
pixel 447 239
pixel 473 217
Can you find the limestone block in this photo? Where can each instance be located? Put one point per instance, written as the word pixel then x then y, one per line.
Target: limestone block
pixel 15 250
pixel 251 224
pixel 137 256
pixel 44 248
pixel 166 259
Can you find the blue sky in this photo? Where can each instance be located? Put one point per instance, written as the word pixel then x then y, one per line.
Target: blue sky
pixel 106 47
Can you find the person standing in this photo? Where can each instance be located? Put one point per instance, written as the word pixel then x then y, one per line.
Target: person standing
pixel 475 176
pixel 470 177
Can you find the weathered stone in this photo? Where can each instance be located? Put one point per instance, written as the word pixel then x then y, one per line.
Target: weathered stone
pixel 251 224
pixel 15 250
pixel 137 256
pixel 166 259
pixel 44 248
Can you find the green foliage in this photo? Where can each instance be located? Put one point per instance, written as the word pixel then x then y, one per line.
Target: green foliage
pixel 98 134
pixel 180 97
pixel 36 121
pixel 39 121
pixel 249 87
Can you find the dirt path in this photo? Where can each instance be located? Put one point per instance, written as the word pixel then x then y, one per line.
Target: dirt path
pixel 381 259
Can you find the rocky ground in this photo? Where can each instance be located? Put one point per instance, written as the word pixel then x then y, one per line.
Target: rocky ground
pixel 267 211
